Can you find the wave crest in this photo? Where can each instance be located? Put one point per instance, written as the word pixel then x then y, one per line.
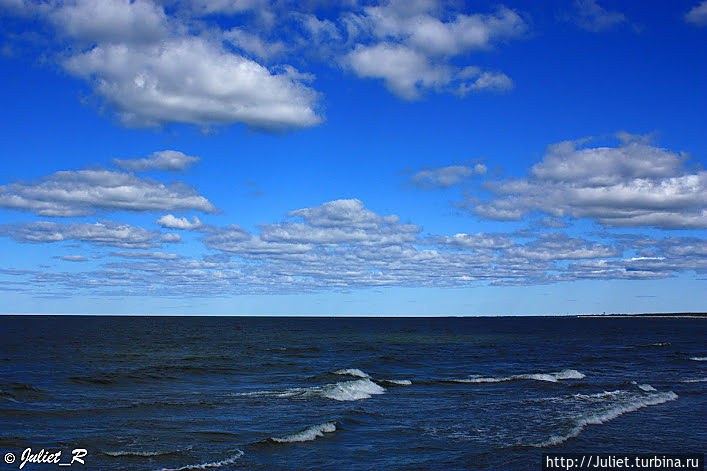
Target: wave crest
pixel 549 377
pixel 214 464
pixel 627 403
pixel 399 382
pixel 696 380
pixel 352 390
pixel 308 434
pixel 352 372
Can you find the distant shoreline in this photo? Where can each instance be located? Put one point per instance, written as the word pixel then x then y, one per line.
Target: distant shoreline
pixel 654 314
pixel 667 315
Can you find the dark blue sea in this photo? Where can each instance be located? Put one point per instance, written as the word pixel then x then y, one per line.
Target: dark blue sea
pixel 183 393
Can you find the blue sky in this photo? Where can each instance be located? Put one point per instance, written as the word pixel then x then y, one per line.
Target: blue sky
pixel 352 158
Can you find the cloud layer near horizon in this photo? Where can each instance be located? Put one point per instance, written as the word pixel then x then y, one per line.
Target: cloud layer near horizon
pixel 342 244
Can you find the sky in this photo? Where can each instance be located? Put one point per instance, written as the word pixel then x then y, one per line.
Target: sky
pixel 414 158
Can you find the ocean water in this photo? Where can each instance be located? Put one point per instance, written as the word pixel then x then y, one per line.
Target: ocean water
pixel 155 393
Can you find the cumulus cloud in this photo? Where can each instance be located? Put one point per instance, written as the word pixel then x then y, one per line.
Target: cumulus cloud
pixel 412 47
pixel 478 241
pixel 165 160
pixel 349 213
pixel 404 70
pixel 111 21
pixel 228 7
pixel 170 237
pixel 698 14
pixel 593 17
pixel 333 224
pixel 193 80
pixel 83 192
pixel 444 177
pixel 561 247
pixel 418 24
pixel 631 184
pixel 172 222
pixel 104 233
pixel 155 63
pixel 153 68
pixel 254 45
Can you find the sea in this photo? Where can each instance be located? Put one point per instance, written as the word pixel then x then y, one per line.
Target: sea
pixel 374 393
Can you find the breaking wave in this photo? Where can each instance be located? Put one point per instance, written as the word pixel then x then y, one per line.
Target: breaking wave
pixel 140 454
pixel 214 464
pixel 698 358
pixel 353 390
pixel 308 434
pixel 399 382
pixel 696 380
pixel 549 377
pixel 351 372
pixel 622 402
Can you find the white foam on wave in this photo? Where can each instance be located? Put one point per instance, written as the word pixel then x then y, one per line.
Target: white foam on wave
pixel 569 374
pixel 646 387
pixel 143 454
pixel 400 382
pixel 549 377
pixel 352 372
pixel 696 380
pixel 353 390
pixel 630 404
pixel 255 393
pixel 600 395
pixel 698 358
pixel 308 434
pixel 215 464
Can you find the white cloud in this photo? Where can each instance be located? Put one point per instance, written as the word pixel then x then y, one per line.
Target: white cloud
pixel 350 214
pixel 170 237
pixel 342 245
pixel 166 160
pixel 478 241
pixel 74 258
pixel 560 247
pixel 253 44
pixel 229 7
pixel 83 192
pixel 104 233
pixel 445 177
pixel 484 81
pixel 698 14
pixel 405 71
pixel 172 222
pixel 413 48
pixel 146 255
pixel 153 68
pixel 155 63
pixel 632 184
pixel 415 24
pixel 193 80
pixel 593 17
pixel 111 21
